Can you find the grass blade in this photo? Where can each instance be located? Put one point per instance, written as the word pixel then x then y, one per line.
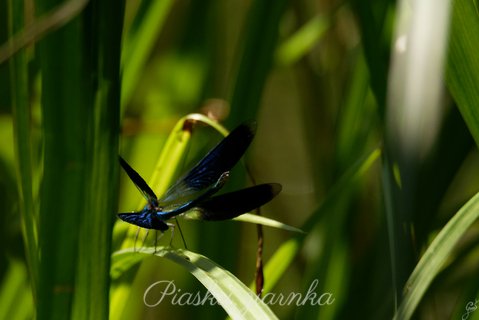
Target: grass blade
pixel 140 43
pixel 92 279
pixel 257 56
pixel 237 300
pixel 80 137
pixel 462 73
pixel 435 256
pixel 22 130
pixel 254 218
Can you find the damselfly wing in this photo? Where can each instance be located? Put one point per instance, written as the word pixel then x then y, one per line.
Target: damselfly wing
pixel 197 188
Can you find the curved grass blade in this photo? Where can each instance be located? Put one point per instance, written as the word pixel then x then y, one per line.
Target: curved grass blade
pixel 235 298
pixel 435 256
pixel 254 218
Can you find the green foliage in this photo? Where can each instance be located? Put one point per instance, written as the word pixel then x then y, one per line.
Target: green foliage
pixel 378 209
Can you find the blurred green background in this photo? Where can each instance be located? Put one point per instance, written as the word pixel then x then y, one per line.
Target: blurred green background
pixel 321 80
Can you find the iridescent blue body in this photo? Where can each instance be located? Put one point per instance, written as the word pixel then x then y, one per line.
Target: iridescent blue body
pixel 197 187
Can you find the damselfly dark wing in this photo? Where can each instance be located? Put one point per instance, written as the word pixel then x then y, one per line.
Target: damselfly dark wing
pixel 203 178
pixel 139 182
pixel 233 204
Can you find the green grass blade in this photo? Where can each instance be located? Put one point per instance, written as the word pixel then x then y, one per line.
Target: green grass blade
pixel 92 279
pixel 63 189
pixel 139 44
pixel 462 74
pixel 237 300
pixel 22 130
pixel 195 214
pixel 414 114
pixel 256 59
pixel 80 130
pixel 435 256
pixel 40 27
pixel 373 24
pixel 301 42
pixel 279 262
pixel 15 291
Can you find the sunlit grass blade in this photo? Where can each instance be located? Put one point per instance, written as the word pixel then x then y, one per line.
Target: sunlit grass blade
pixel 254 218
pixel 237 300
pixel 248 217
pixel 436 254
